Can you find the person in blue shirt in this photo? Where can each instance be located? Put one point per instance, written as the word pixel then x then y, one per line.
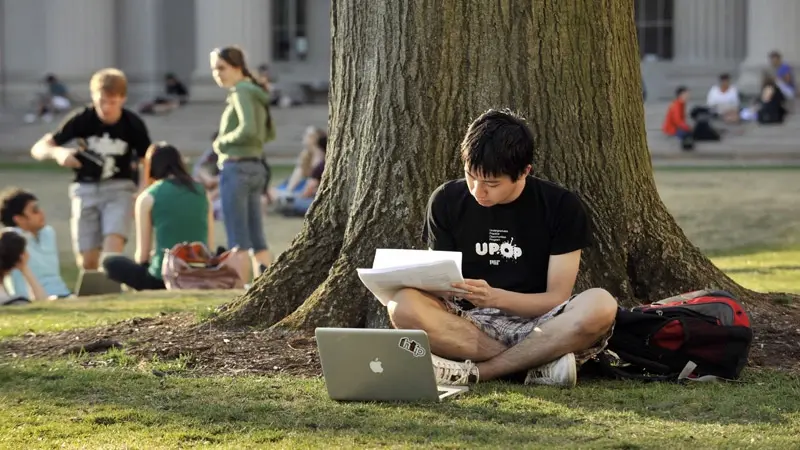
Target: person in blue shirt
pixel 20 210
pixel 783 73
pixel 13 256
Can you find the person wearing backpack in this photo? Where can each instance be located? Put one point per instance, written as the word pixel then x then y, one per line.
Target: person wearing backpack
pixel 521 239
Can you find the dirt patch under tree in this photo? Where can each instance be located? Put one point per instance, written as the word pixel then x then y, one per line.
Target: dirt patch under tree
pixel 209 351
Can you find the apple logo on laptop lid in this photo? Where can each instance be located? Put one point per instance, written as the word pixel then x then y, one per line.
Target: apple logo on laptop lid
pixel 376 366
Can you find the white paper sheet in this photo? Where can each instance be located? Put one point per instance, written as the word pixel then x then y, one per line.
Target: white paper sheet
pixel 395 269
pixel 398 257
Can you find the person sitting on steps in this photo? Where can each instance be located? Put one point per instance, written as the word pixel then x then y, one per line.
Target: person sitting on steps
pixel 521 237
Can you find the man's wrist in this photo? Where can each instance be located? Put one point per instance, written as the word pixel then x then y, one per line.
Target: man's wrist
pixel 499 298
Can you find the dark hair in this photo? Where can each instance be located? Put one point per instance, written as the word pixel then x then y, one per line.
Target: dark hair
pixel 322 142
pixel 680 90
pixel 12 203
pixel 234 56
pixel 12 246
pixel 725 77
pixel 50 78
pixel 774 54
pixel 162 161
pixel 497 143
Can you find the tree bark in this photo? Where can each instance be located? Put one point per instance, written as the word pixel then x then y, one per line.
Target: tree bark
pixel 406 80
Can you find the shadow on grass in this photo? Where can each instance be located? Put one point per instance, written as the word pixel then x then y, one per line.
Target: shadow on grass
pixel 223 405
pixel 102 313
pixel 480 416
pixel 750 250
pixel 760 270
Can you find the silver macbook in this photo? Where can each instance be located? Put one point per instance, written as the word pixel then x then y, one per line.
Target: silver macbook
pixel 364 364
pixel 95 282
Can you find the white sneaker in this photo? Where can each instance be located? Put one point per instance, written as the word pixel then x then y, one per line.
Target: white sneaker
pixel 454 373
pixel 561 372
pixel 30 118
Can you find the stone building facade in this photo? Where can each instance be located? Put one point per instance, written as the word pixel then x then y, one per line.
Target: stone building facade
pixel 681 41
pixel 147 38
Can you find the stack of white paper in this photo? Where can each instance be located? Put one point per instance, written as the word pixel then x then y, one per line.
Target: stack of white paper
pixel 395 269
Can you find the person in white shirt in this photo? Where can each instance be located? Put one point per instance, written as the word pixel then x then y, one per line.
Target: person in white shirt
pixel 724 100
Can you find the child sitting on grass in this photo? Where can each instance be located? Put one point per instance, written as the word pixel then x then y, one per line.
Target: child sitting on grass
pixel 13 256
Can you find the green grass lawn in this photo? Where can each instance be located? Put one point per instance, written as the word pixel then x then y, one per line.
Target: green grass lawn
pixel 117 401
pixel 79 313
pixel 62 404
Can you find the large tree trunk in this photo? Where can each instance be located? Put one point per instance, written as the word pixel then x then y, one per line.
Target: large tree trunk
pixel 408 77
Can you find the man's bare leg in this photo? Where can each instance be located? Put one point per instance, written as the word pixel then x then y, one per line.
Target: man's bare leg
pixel 450 336
pixel 89 259
pixel 585 319
pixel 263 257
pixel 113 243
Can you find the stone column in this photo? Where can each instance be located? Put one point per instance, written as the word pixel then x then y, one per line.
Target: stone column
pixel 24 63
pixel 771 25
pixel 80 40
pixel 709 32
pixel 140 46
pixel 245 23
pixel 709 39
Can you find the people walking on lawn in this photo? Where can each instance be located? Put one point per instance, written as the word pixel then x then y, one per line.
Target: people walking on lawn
pixel 112 140
pixel 515 316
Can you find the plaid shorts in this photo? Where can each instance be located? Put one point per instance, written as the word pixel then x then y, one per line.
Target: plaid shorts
pixel 511 330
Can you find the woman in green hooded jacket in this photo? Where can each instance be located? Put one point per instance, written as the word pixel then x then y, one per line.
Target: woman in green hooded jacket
pixel 245 126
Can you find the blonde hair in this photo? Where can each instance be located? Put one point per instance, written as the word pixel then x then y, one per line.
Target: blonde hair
pixel 306 158
pixel 109 81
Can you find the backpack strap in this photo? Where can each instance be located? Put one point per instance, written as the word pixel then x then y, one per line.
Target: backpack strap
pixel 606 363
pixel 689 369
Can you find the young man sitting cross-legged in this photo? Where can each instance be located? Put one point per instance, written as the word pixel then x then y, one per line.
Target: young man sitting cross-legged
pixel 521 239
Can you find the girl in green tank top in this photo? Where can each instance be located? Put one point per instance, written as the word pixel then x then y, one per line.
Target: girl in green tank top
pixel 173 209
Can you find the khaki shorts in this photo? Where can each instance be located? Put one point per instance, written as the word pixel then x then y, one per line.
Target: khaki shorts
pixel 98 210
pixel 511 330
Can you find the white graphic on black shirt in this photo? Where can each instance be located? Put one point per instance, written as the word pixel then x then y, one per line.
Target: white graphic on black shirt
pixel 499 245
pixel 107 148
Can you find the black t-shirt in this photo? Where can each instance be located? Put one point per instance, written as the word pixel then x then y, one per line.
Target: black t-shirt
pixel 106 151
pixel 177 89
pixel 508 245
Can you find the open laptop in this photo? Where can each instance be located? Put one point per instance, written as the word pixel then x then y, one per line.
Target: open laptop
pixel 363 364
pixel 95 282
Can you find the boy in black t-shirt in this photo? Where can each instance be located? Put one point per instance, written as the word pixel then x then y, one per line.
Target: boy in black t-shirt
pixel 521 239
pixel 111 141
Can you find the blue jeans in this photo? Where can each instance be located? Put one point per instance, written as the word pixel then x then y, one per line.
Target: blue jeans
pixel 241 185
pixel 301 204
pixel 681 133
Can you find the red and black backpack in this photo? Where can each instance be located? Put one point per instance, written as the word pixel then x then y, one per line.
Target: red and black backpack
pixel 691 335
